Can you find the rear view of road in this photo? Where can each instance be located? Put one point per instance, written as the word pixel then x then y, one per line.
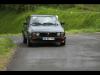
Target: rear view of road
pixel 82 52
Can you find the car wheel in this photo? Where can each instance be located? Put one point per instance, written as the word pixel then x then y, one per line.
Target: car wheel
pixel 29 44
pixel 63 44
pixel 24 40
pixel 58 44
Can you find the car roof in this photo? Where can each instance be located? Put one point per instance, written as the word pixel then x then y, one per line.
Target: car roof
pixel 43 15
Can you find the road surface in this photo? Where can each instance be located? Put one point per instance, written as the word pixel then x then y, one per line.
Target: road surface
pixel 81 53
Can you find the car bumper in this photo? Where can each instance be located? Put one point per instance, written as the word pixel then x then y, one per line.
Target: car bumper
pixel 40 40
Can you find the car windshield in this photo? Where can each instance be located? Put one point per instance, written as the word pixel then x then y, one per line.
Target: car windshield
pixel 43 20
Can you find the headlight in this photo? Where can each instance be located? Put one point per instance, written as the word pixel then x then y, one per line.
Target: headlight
pixel 33 34
pixel 37 34
pixel 58 34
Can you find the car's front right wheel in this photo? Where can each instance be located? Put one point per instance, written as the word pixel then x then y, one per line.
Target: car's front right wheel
pixel 29 44
pixel 24 40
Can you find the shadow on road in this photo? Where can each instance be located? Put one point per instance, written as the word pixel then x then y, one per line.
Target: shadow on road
pixel 39 45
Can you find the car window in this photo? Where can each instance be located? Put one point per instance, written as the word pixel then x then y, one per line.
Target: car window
pixel 46 20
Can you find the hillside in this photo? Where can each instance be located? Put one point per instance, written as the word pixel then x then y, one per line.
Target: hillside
pixel 74 18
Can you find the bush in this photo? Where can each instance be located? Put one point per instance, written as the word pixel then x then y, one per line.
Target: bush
pixel 74 18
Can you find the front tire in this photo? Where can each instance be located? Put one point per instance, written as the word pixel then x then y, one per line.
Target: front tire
pixel 24 40
pixel 63 44
pixel 29 44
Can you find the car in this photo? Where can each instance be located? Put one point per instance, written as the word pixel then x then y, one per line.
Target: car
pixel 43 29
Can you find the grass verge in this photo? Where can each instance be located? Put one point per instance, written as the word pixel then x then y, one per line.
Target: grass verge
pixel 90 30
pixel 6 52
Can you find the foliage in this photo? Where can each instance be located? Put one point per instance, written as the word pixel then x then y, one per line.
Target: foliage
pixel 74 16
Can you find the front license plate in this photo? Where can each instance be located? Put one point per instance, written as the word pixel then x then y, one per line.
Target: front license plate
pixel 48 38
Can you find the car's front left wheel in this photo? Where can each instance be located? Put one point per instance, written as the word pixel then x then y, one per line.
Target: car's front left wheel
pixel 63 44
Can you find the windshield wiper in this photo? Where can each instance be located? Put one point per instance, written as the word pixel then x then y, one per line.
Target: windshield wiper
pixel 49 24
pixel 44 24
pixel 36 24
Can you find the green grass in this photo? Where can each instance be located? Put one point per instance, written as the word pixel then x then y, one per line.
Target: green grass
pixel 74 18
pixel 6 51
pixel 83 30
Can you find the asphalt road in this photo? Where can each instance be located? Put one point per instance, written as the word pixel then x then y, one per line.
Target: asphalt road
pixel 81 53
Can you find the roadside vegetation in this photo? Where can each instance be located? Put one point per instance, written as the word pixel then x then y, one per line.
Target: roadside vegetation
pixel 77 18
pixel 6 52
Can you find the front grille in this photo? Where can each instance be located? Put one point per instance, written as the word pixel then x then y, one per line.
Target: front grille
pixel 48 34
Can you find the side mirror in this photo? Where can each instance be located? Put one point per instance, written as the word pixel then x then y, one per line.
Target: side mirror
pixel 62 23
pixel 25 23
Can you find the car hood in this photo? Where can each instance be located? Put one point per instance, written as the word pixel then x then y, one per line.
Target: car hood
pixel 46 29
